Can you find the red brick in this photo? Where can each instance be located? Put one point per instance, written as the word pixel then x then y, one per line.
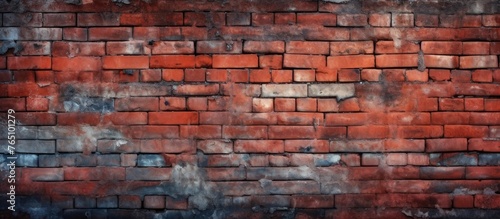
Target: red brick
pixel 491 20
pixel 303 75
pixel 368 132
pixel 402 20
pixel 194 75
pixel 306 105
pixel 492 105
pixel 301 47
pixel 95 173
pixel 327 105
pixel 37 104
pixel 238 75
pixel 396 159
pixel 262 105
pixel 417 131
pixel 24 76
pixel 312 201
pixel 463 201
pixel 260 75
pixel 36 118
pixel 349 75
pixel 380 20
pixel 235 61
pixel 75 34
pixel 203 61
pixel 482 75
pixel 442 47
pixel 370 74
pixel 442 172
pixel 427 104
pixel 32 62
pixel 414 200
pixel 349 105
pixel 17 104
pixel 326 74
pixel 474 104
pixel 172 103
pixel 393 75
pixel 154 201
pixel 303 61
pixel 467 62
pixel 110 33
pixel 450 118
pixel 244 132
pixel 495 48
pixel 173 75
pixel 285 18
pixel 152 132
pixel 352 20
pixel 126 118
pixel 262 19
pixel 440 61
pixel 416 75
pixel 71 49
pixel 216 75
pixel 259 146
pixel 450 104
pixel 77 64
pixel 351 48
pixel 476 48
pixel 426 20
pixel 238 19
pixel 59 19
pixel 440 74
pixel 465 131
pixel 299 118
pixel 172 61
pixel 284 104
pixel 386 47
pixel 173 118
pixel 197 103
pixel 490 118
pixel 449 144
pixel 391 61
pixel 371 159
pixel 201 132
pixel 291 132
pixel 418 159
pixel 218 47
pixel 264 47
pixel 203 19
pixel 484 145
pixel 125 62
pixel 78 118
pixel 98 19
pixel 323 19
pixel 281 76
pixel 151 75
pixel 482 173
pixel 354 61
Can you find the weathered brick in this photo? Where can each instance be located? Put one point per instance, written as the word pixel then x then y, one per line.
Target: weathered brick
pixel 284 90
pixel 341 91
pixel 259 146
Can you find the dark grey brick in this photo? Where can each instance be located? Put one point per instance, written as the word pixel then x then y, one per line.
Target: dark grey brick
pixel 48 160
pixel 85 202
pixel 36 146
pixel 27 160
pixel 107 202
pixel 108 160
pixel 150 160
pixel 489 159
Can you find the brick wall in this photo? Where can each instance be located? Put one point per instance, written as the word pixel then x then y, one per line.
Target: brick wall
pixel 239 109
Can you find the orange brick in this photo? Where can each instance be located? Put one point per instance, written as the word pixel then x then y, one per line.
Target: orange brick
pixel 173 75
pixel 235 61
pixel 391 61
pixel 303 75
pixel 172 61
pixel 303 61
pixel 125 62
pixel 354 61
pixel 271 61
pixel 29 62
pixel 442 47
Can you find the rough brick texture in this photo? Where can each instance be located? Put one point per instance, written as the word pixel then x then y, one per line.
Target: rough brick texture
pixel 252 109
